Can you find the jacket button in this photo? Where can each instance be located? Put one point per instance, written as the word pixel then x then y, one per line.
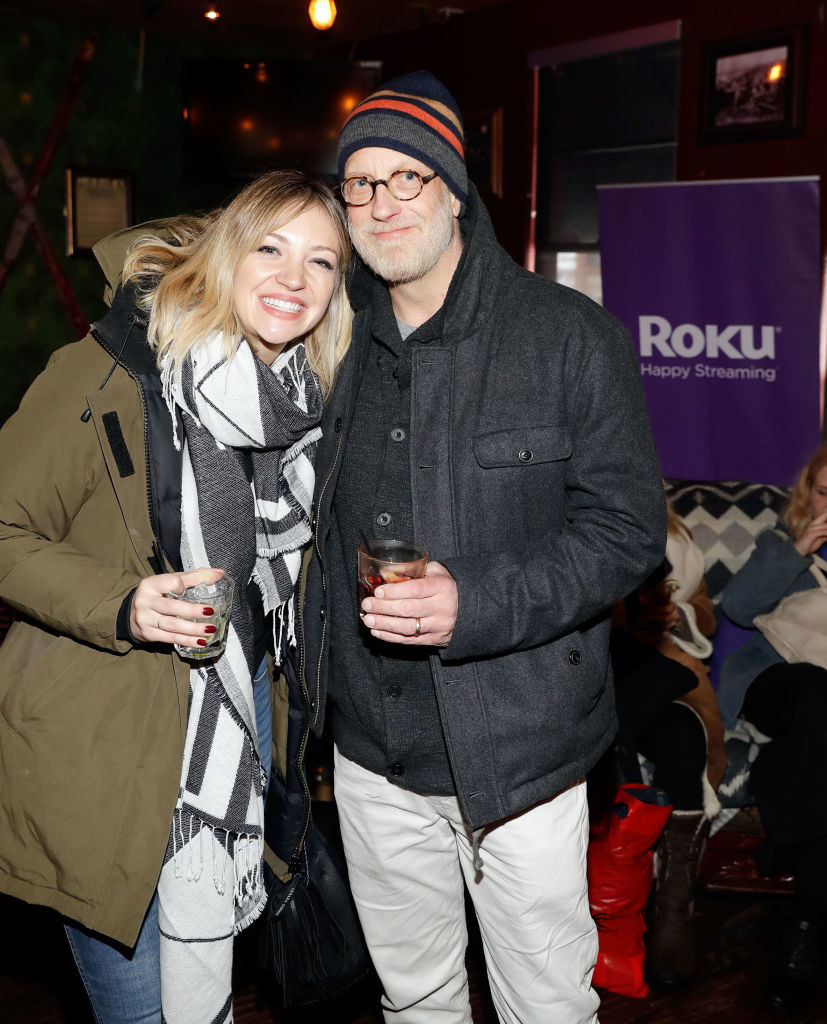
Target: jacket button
pixel 394 691
pixel 321 614
pixel 397 769
pixel 383 519
pixel 525 455
pixel 398 434
pixel 575 657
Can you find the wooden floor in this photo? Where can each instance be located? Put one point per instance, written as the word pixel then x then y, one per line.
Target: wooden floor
pixel 736 935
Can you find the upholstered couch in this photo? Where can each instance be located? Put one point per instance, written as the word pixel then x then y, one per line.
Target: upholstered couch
pixel 725 520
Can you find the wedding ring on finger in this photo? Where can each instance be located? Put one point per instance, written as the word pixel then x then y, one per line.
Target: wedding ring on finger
pixel 418 629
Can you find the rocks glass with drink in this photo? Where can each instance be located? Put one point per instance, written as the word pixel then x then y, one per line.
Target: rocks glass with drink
pixel 388 561
pixel 219 597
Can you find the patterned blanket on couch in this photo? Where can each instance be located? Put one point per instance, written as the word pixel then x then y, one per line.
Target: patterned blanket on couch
pixel 725 519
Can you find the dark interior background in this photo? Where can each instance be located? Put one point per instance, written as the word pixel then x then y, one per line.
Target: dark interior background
pixel 130 116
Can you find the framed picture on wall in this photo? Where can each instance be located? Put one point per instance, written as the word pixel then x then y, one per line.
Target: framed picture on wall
pixel 98 203
pixel 484 149
pixel 753 86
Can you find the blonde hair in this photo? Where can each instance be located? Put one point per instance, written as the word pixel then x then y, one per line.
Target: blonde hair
pixel 799 512
pixel 184 282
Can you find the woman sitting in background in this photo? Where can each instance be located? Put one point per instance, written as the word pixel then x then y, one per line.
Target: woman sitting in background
pixel 788 703
pixel 667 711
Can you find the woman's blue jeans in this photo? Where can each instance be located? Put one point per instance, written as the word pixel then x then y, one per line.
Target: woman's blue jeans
pixel 123 985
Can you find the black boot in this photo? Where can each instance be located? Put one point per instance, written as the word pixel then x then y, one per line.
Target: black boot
pixel 670 939
pixel 799 968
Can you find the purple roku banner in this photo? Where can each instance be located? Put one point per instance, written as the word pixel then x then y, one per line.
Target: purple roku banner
pixel 719 284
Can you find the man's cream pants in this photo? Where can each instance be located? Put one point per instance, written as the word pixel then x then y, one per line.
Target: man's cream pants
pixel 407 857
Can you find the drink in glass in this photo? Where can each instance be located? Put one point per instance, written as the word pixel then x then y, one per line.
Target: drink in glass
pixel 219 597
pixel 388 561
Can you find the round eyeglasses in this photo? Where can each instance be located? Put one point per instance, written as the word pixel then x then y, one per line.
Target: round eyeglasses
pixel 403 185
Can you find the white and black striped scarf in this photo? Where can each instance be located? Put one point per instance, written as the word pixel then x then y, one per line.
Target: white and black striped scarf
pixel 239 416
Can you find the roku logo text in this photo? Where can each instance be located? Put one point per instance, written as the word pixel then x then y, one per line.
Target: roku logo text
pixel 689 340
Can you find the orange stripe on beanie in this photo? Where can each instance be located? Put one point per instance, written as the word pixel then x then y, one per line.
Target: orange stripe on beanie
pixel 416 115
pixel 428 119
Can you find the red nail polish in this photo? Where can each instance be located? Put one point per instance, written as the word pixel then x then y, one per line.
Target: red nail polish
pixel 210 629
pixel 207 611
pixel 201 642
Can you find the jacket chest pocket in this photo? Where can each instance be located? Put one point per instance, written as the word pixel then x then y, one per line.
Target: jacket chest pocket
pixel 521 446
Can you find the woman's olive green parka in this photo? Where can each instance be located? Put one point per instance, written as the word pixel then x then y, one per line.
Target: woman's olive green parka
pixel 91 728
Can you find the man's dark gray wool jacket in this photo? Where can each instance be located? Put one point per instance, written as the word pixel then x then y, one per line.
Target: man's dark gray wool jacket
pixel 535 482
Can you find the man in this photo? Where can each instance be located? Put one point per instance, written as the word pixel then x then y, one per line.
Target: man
pixel 496 419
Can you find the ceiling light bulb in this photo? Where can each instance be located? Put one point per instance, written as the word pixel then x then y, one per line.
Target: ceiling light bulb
pixel 212 14
pixel 322 13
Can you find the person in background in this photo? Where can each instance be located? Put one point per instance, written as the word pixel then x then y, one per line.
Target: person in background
pixel 498 420
pixel 788 704
pixel 173 444
pixel 667 711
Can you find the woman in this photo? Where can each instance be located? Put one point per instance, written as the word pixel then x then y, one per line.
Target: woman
pixel 788 703
pixel 174 443
pixel 667 711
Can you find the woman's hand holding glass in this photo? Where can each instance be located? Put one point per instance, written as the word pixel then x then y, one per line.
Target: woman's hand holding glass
pixel 156 619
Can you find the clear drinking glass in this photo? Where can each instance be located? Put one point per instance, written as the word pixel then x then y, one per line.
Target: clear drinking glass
pixel 219 597
pixel 388 561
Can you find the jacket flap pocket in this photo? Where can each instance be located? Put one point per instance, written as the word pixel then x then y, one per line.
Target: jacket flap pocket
pixel 522 446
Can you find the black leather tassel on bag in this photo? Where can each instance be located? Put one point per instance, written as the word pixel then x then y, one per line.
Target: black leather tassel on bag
pixel 312 943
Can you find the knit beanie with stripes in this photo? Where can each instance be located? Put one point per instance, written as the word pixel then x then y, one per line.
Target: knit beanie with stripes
pixel 416 115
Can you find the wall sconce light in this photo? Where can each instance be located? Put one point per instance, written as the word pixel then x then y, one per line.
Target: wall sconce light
pixel 322 13
pixel 211 14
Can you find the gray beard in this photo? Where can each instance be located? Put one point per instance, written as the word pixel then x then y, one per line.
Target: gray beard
pixel 404 263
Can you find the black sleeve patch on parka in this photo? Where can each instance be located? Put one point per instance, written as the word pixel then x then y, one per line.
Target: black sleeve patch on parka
pixel 117 442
